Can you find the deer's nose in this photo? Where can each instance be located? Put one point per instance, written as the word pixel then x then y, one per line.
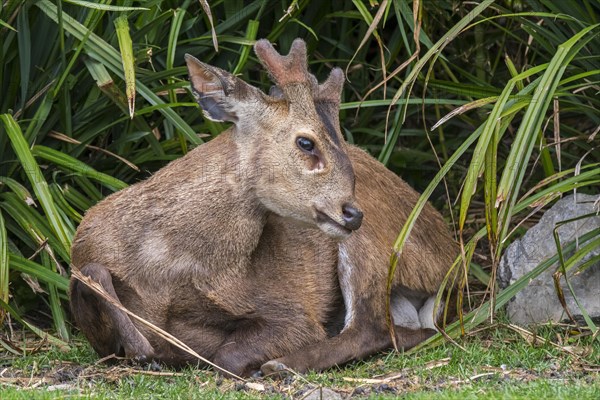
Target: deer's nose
pixel 352 217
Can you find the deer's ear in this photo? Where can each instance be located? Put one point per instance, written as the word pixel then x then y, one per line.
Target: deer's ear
pixel 218 92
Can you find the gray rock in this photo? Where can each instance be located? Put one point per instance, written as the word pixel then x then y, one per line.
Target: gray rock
pixel 323 394
pixel 538 302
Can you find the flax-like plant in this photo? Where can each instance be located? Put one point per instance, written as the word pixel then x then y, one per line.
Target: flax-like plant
pixel 496 100
pixel 500 197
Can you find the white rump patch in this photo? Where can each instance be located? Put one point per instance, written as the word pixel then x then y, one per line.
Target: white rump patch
pixel 409 313
pixel 404 313
pixel 426 313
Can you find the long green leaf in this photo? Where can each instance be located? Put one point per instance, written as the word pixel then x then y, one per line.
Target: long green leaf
pixel 127 59
pixel 4 270
pixel 38 271
pixel 104 7
pixel 251 32
pixel 39 184
pixel 172 45
pixel 18 189
pixel 490 129
pixel 33 224
pixel 64 205
pixel 4 24
pixel 70 163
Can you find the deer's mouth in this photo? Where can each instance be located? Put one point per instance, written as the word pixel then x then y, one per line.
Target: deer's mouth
pixel 330 226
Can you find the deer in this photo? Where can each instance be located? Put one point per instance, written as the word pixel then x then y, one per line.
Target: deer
pixel 265 248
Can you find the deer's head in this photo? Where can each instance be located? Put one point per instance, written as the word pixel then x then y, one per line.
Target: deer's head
pixel 290 140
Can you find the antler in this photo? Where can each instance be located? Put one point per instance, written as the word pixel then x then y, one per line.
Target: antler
pixel 293 69
pixel 331 90
pixel 284 69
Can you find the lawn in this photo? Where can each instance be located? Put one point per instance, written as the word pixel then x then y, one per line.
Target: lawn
pixel 497 361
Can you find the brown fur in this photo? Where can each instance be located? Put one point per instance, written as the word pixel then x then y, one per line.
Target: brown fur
pixel 238 248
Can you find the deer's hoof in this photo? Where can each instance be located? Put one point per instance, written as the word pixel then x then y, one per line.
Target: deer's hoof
pixel 140 359
pixel 274 369
pixel 256 375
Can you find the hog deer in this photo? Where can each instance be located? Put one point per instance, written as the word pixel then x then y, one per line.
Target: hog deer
pixel 236 248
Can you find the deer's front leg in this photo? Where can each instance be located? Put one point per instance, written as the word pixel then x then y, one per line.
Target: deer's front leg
pixel 251 345
pixel 364 336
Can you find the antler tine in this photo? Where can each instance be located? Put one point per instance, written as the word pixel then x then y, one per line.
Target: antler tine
pixel 331 89
pixel 284 69
pixel 292 68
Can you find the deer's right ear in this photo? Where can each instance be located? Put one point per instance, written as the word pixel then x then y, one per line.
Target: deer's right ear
pixel 218 92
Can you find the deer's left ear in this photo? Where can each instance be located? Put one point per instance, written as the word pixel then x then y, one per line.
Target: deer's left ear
pixel 220 94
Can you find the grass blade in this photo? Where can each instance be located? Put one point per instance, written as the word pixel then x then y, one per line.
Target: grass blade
pixel 18 189
pixel 4 270
pixel 4 24
pixel 33 224
pixel 39 184
pixel 128 60
pixel 65 161
pixel 490 129
pixel 251 32
pixel 58 315
pixel 104 7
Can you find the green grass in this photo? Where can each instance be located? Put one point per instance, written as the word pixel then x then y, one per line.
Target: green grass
pixel 494 363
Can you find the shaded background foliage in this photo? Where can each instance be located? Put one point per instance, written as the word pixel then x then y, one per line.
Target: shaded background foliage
pixel 67 139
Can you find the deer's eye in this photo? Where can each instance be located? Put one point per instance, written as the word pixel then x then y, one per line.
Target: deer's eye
pixel 305 144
